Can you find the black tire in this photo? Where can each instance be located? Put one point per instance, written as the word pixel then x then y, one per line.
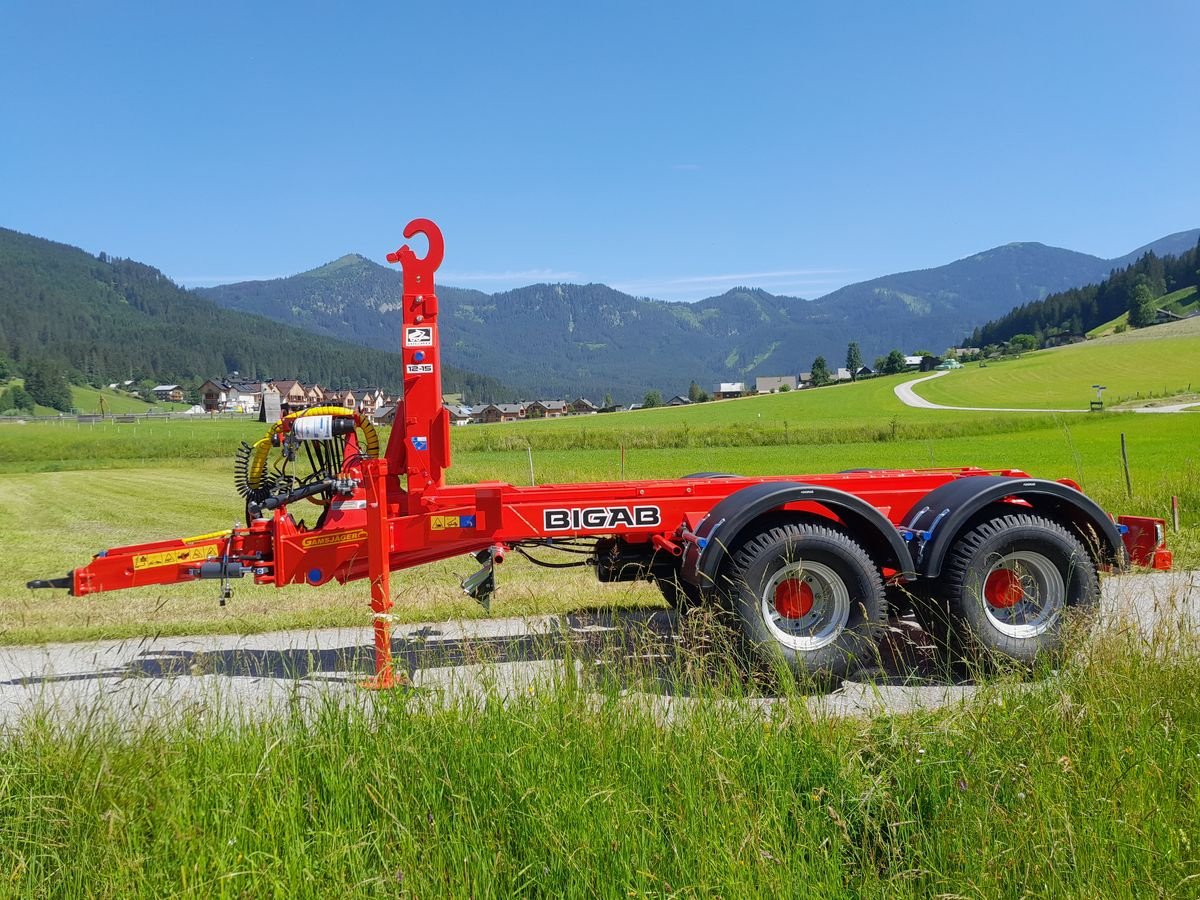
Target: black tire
pixel 1007 589
pixel 831 623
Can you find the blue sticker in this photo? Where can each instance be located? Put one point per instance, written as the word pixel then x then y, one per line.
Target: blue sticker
pixel 466 521
pixel 420 443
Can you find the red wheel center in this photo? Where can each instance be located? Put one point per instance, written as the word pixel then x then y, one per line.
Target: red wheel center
pixel 793 599
pixel 1003 589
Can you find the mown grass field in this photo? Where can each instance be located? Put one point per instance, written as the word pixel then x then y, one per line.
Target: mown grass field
pixel 1158 362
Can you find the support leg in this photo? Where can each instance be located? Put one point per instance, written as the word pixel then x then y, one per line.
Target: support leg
pixel 379 573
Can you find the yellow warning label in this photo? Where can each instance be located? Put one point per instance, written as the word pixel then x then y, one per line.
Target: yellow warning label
pixel 324 540
pixel 442 523
pixel 174 557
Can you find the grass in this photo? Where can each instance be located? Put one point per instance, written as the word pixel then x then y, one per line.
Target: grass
pixel 62 508
pixel 1083 784
pixel 87 400
pixel 1163 361
pixel 1181 301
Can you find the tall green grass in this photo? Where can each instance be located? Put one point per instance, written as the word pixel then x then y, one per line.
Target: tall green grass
pixel 1084 784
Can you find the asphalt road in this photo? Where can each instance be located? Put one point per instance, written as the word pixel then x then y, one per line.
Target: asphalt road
pixel 151 680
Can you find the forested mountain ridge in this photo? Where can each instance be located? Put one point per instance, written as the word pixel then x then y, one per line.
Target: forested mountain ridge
pixel 1079 310
pixel 571 339
pixel 105 319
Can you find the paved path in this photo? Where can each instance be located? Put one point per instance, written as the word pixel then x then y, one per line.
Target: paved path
pixel 248 676
pixel 909 397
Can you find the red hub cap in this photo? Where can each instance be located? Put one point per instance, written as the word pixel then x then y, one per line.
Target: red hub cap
pixel 793 598
pixel 1003 589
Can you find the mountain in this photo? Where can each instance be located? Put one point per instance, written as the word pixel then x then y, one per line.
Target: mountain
pixel 109 319
pixel 1172 245
pixel 571 339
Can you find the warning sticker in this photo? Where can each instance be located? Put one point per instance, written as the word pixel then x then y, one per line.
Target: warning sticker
pixel 446 523
pixel 419 369
pixel 419 337
pixel 324 540
pixel 175 557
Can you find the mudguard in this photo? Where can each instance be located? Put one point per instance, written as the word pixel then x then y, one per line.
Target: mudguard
pixel 718 532
pixel 941 515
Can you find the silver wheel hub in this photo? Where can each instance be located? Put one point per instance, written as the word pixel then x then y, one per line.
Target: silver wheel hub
pixel 805 605
pixel 1023 594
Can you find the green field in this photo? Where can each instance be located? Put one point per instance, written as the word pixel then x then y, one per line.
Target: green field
pixel 1136 366
pixel 87 400
pixel 1182 301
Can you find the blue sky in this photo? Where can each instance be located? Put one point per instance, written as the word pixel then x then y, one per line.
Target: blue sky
pixel 668 149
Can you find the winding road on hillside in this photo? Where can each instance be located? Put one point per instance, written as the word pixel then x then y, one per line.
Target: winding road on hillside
pixel 909 397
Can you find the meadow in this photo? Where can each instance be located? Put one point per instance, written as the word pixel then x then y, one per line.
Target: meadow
pixel 1135 366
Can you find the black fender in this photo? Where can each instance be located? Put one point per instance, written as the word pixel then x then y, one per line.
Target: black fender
pixel 940 516
pixel 718 532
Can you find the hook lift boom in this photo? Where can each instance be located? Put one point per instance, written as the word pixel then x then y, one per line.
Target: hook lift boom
pixel 809 564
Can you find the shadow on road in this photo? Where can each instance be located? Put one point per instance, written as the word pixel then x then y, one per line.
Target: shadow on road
pixel 650 649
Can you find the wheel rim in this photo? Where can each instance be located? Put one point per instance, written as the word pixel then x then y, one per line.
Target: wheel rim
pixel 1023 594
pixel 805 605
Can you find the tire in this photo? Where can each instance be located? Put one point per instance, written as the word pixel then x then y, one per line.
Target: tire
pixel 811 595
pixel 1007 587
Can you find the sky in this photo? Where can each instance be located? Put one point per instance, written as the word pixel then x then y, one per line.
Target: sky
pixel 671 150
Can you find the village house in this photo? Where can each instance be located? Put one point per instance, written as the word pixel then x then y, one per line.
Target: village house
pixel 172 393
pixel 583 407
pixel 727 390
pixel 292 395
pixel 679 400
pixel 769 384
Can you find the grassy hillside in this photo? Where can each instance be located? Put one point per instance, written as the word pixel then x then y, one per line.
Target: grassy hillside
pixel 1153 362
pixel 1183 301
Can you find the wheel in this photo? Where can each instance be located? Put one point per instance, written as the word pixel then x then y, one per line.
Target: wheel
pixel 1007 586
pixel 810 594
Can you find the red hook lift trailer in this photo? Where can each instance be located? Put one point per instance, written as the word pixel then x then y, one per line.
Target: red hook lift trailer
pixel 809 564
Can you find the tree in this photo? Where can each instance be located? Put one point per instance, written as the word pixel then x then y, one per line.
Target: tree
pixel 854 360
pixel 15 399
pixel 1141 306
pixel 652 399
pixel 894 364
pixel 607 399
pixel 47 384
pixel 820 372
pixel 923 353
pixel 1023 343
pixel 694 392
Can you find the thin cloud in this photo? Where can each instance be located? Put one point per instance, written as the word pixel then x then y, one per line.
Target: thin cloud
pixel 745 277
pixel 193 280
pixel 528 276
pixel 806 282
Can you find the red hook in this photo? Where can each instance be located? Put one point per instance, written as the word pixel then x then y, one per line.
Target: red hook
pixel 408 259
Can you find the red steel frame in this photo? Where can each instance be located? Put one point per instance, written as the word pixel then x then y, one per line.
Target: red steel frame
pixel 403 514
